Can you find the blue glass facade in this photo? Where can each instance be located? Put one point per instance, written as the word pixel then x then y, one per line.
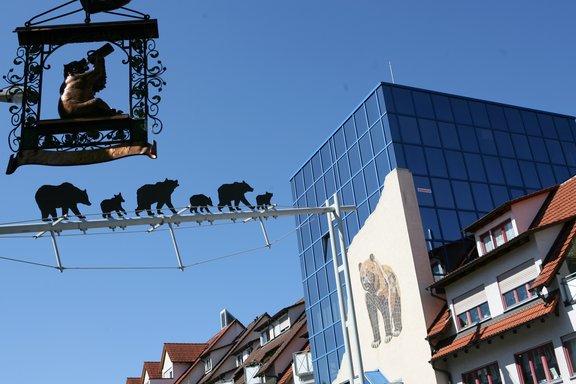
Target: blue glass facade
pixel 467 156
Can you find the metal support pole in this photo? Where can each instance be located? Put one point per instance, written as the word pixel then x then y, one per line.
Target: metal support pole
pixel 268 245
pixel 350 299
pixel 176 247
pixel 174 215
pixel 53 224
pixel 341 303
pixel 55 245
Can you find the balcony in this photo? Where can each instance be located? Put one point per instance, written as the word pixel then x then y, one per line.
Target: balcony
pixel 303 364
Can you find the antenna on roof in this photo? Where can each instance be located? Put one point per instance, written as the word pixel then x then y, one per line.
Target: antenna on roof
pixel 391 72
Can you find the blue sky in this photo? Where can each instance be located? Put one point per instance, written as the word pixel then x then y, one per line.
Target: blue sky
pixel 253 88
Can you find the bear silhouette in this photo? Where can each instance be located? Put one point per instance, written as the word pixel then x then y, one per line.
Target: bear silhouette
pixel 200 202
pixel 263 201
pixel 228 193
pixel 159 193
pixel 112 205
pixel 65 196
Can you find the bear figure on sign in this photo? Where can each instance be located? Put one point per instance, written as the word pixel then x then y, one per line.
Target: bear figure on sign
pixel 112 205
pixel 263 201
pixel 234 193
pixel 200 203
pixel 159 193
pixel 65 196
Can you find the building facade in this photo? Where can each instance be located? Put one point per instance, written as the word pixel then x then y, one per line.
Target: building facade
pixel 466 156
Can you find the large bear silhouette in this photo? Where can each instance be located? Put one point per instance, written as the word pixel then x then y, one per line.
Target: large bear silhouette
pixel 228 193
pixel 112 205
pixel 200 203
pixel 65 196
pixel 159 193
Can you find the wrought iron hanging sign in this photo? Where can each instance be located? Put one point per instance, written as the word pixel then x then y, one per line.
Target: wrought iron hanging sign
pixel 88 130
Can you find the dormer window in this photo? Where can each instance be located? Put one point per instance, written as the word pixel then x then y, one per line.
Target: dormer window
pixel 275 329
pixel 207 365
pixel 497 236
pixel 471 308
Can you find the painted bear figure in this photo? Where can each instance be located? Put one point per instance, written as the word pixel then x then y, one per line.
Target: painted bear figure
pixel 112 205
pixel 200 202
pixel 382 295
pixel 228 193
pixel 65 196
pixel 159 193
pixel 263 201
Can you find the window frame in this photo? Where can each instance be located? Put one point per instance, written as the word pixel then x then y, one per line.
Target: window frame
pixel 475 371
pixel 501 228
pixel 529 292
pixel 540 353
pixel 481 317
pixel 571 364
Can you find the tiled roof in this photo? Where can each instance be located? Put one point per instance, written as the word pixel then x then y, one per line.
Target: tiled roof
pixel 154 369
pixel 441 322
pixel 561 206
pixel 134 380
pixel 507 323
pixel 556 255
pixel 183 352
pixel 286 376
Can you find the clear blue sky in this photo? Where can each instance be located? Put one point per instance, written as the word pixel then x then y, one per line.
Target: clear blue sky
pixel 254 87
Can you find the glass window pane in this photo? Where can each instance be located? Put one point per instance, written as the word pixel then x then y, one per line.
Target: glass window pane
pixel 570 153
pixel 561 173
pixel 403 101
pixel 429 133
pixel 521 147
pixel 349 132
pixel 504 144
pixel 382 103
pixel 423 191
pixel 499 194
pixel 475 167
pixel 330 182
pixel 482 197
pixel 547 126
pixel 442 108
pixel 394 128
pixel 461 112
pixel 442 193
pixel 511 172
pixel 385 121
pixel 363 213
pixel 313 290
pixel 497 117
pixel 365 149
pixel 343 169
pixel 339 143
pixel 299 183
pixel 538 149
pixel 529 174
pixel 372 109
pixel 377 136
pixel 493 169
pixel 468 138
pixel 360 120
pixel 531 123
pixel 347 195
pixel 456 166
pixel 423 104
pixel 449 135
pixel 436 163
pixel 316 166
pixel 382 166
pixel 415 159
pixel 323 290
pixel 486 141
pixel 326 156
pixel 555 151
pixel 370 178
pixel 354 156
pixel 430 224
pixel 359 187
pixel 563 129
pixel 479 115
pixel 514 120
pixel 409 129
pixel 463 195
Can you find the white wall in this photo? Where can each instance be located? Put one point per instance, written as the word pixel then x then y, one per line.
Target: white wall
pixel 393 234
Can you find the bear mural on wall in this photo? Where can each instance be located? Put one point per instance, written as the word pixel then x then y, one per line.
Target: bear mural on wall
pixel 263 201
pixel 159 193
pixel 382 295
pixel 228 193
pixel 65 196
pixel 112 205
pixel 200 203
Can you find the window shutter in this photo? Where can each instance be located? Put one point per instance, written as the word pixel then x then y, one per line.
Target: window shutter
pixel 469 300
pixel 517 276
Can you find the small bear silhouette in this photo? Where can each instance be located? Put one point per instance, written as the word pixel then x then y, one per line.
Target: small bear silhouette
pixel 228 193
pixel 263 201
pixel 159 193
pixel 112 205
pixel 65 196
pixel 200 202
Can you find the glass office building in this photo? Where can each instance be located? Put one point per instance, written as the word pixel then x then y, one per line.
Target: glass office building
pixel 467 157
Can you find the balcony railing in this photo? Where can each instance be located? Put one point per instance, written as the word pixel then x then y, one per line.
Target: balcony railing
pixel 303 364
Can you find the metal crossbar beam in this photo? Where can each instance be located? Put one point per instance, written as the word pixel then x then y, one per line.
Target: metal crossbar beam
pixel 84 225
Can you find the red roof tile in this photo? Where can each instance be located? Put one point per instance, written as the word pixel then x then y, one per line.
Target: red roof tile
pixel 134 380
pixel 498 327
pixel 441 322
pixel 183 352
pixel 562 205
pixel 154 369
pixel 286 376
pixel 556 256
